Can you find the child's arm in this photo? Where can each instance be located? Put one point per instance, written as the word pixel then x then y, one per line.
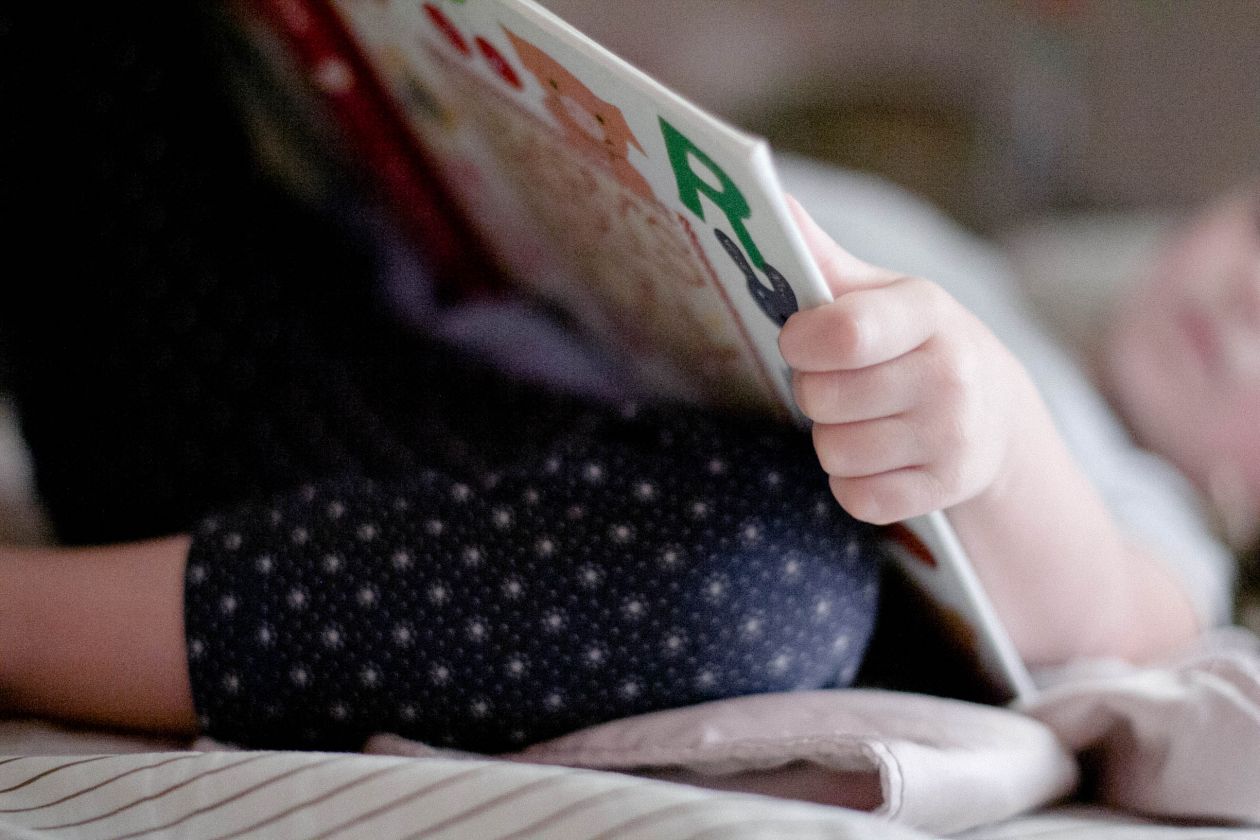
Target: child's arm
pixel 96 635
pixel 918 407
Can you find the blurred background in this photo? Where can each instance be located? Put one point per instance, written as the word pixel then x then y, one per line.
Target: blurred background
pixel 993 109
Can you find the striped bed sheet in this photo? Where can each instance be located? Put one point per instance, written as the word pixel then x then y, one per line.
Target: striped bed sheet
pixel 224 795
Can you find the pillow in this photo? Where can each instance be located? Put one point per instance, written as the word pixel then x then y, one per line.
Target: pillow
pixel 927 762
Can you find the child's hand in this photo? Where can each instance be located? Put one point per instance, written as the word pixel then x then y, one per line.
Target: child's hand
pixel 913 399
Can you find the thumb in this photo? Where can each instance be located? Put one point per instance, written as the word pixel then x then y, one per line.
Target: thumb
pixel 842 271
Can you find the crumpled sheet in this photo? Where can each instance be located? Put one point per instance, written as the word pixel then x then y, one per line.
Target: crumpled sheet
pixel 1180 741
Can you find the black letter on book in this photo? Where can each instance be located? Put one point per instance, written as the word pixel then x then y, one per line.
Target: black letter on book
pixel 778 301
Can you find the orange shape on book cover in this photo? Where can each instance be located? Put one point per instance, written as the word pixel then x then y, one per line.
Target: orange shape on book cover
pixel 590 123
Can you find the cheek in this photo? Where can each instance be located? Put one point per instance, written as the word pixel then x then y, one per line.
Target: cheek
pixel 1240 436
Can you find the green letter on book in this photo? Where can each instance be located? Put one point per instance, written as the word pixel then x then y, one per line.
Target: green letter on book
pixel 690 185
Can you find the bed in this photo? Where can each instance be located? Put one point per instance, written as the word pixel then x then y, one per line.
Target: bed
pixel 1108 751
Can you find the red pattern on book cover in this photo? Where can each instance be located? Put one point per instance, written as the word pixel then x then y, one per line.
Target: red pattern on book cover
pixel 377 133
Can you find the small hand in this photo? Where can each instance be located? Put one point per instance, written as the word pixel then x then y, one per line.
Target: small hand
pixel 914 400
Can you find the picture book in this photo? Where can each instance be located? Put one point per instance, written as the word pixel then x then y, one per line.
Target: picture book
pixel 500 133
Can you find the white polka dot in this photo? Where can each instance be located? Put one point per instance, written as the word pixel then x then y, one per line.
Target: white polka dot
pixel 594 655
pixel 275 516
pixel 502 517
pixel 369 676
pixel 401 504
pixel 331 637
pixel 674 643
pixel 791 566
pixel 715 588
pixel 554 700
pixel 265 635
pixel 531 496
pixel 476 630
pixel 339 711
pixel 822 608
pixel 299 676
pixel 593 472
pixel 670 558
pixel 645 490
pixel 513 588
pixel 773 479
pixel 590 576
pixel 434 527
pixel 841 642
pixel 331 563
pixel 461 492
pixel 403 635
pixel 751 534
pixel 367 532
pixel 299 536
pixel 440 674
pixel 479 708
pixel 231 683
pixel 575 512
pixel 196 648
pixel 545 547
pixel 197 573
pixel 491 480
pixel 335 510
pixel 308 492
pixel 401 560
pixel 516 667
pixel 439 594
pixel 264 564
pixel 821 507
pixel 717 466
pixel 852 548
pixel 706 679
pixel 551 466
pixel 227 604
pixel 752 627
pixel 634 608
pixel 232 541
pixel 366 596
pixel 699 510
pixel 630 690
pixel 472 556
pixel 554 621
pixel 621 533
pixel 296 598
pixel 407 713
pixel 780 663
pixel 209 525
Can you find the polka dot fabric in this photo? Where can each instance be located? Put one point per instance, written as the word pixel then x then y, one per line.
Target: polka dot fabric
pixel 602 579
pixel 406 541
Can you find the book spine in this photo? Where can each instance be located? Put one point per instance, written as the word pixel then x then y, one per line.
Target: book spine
pixel 377 134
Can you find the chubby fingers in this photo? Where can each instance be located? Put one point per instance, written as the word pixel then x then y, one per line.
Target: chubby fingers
pixel 864 327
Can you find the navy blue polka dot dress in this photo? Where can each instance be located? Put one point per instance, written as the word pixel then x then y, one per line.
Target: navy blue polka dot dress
pixel 387 536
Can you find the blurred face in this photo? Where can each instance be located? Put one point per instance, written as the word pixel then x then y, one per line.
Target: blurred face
pixel 1184 359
